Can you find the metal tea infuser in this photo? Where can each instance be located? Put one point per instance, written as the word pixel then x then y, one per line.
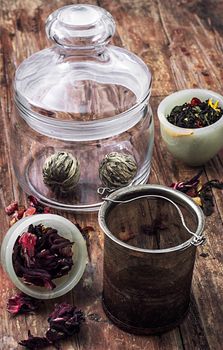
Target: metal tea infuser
pixel 147 291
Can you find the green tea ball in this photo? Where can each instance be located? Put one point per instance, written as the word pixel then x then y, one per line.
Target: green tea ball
pixel 117 170
pixel 61 172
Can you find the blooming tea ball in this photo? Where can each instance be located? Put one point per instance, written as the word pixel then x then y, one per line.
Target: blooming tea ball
pixel 117 169
pixel 61 172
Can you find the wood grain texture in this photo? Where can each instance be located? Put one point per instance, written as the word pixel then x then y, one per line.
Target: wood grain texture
pixel 182 42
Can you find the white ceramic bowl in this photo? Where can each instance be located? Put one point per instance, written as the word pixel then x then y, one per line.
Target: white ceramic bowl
pixel 192 146
pixel 65 229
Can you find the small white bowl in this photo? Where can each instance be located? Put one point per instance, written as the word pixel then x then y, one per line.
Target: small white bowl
pixel 65 229
pixel 193 146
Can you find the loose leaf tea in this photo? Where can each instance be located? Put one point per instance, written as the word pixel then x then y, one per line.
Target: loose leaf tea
pixel 201 194
pixel 195 114
pixel 22 304
pixel 64 322
pixel 40 255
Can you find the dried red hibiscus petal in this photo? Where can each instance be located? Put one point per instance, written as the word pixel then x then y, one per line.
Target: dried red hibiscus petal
pixel 38 277
pixel 28 243
pixel 64 321
pixel 35 342
pixel 29 212
pixel 40 208
pixel 195 101
pixel 19 212
pixel 11 208
pixel 41 255
pixel 194 189
pixel 189 185
pixel 22 304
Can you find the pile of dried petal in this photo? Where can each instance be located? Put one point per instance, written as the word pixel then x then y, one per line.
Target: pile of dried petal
pixel 64 322
pixel 22 304
pixel 201 194
pixel 41 255
pixel 18 212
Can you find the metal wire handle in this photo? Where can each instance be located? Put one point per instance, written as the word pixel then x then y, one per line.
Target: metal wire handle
pixel 103 190
pixel 197 239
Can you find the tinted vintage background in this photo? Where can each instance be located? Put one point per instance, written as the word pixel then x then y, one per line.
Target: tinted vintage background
pixel 182 43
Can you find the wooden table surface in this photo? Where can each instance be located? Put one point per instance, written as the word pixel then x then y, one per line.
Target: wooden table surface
pixel 182 43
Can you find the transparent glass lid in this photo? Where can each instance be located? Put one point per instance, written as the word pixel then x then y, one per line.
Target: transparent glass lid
pixel 81 78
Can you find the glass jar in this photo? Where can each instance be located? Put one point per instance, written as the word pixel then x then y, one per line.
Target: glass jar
pixel 83 97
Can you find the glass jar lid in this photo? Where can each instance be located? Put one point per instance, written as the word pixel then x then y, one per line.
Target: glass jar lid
pixel 80 80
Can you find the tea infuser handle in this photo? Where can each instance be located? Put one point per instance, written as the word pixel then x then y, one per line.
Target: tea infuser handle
pixel 197 239
pixel 103 190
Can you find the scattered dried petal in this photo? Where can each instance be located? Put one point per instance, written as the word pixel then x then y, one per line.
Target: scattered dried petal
pixel 206 195
pixel 11 208
pixel 33 201
pixel 40 208
pixel 64 321
pixel 197 200
pixel 30 211
pixel 202 195
pixel 12 222
pixel 188 185
pixel 18 214
pixel 46 210
pixel 35 342
pixel 22 304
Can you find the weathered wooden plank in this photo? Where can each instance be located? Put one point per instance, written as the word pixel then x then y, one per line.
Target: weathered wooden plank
pixel 196 64
pixel 195 47
pixel 154 30
pixel 141 31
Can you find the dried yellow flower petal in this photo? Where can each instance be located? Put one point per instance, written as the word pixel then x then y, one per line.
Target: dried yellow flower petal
pixel 214 105
pixel 197 200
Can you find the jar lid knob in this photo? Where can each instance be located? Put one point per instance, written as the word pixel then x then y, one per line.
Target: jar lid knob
pixel 80 26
